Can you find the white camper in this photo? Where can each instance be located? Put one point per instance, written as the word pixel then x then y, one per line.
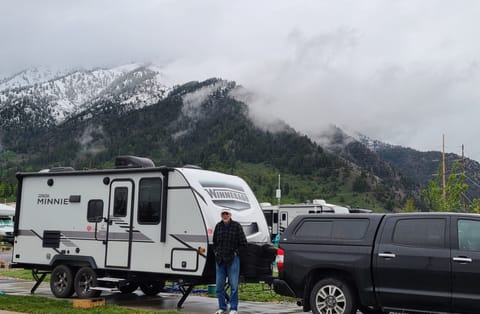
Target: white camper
pixel 279 216
pixel 6 223
pixel 135 225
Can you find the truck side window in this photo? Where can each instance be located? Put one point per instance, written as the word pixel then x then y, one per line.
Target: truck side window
pixel 468 235
pixel 315 229
pixel 120 202
pixel 347 229
pixel 95 211
pixel 350 229
pixel 149 201
pixel 420 232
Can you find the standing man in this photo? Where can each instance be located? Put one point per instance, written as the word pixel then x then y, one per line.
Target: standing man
pixel 228 239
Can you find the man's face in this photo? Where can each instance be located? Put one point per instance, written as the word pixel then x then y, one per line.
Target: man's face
pixel 226 216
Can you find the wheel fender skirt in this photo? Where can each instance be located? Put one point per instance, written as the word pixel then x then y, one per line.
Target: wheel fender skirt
pixel 282 288
pixel 74 260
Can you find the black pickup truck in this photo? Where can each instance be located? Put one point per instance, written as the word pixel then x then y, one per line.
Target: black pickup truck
pixel 376 263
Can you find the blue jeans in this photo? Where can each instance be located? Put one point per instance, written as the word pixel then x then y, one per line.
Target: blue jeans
pixel 231 271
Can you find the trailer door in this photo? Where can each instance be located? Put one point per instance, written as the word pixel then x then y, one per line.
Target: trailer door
pixel 283 221
pixel 118 240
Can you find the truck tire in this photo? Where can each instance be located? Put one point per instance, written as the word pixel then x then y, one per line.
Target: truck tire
pixel 84 279
pixel 332 296
pixel 152 288
pixel 61 281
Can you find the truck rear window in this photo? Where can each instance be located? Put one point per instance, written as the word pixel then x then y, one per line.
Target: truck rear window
pixel 342 229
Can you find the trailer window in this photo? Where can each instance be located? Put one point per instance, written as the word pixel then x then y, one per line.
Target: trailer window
pixel 120 202
pixel 95 211
pixel 149 201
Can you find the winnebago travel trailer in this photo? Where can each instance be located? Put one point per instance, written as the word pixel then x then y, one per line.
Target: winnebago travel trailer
pixel 136 225
pixel 6 223
pixel 279 216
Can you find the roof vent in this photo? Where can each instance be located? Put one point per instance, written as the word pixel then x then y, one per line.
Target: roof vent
pixel 58 169
pixel 192 167
pixel 133 162
pixel 319 202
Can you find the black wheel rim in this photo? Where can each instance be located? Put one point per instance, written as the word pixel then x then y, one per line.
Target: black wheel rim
pixel 85 281
pixel 61 281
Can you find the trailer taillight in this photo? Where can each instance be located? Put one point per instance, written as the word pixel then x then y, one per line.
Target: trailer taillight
pixel 279 260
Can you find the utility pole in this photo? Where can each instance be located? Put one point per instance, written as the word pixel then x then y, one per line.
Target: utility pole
pixel 279 191
pixel 443 172
pixel 463 178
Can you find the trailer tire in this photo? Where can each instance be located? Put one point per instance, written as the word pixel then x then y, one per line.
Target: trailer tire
pixel 128 287
pixel 61 282
pixel 84 279
pixel 153 287
pixel 332 295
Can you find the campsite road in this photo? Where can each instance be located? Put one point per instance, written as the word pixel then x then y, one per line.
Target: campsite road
pixel 193 305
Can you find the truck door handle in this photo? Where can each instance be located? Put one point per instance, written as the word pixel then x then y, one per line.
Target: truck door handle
pixel 462 259
pixel 387 255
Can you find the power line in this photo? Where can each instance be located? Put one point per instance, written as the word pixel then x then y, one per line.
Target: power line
pixel 468 198
pixel 471 180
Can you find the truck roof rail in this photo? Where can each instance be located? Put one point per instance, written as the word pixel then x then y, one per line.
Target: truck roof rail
pixel 133 162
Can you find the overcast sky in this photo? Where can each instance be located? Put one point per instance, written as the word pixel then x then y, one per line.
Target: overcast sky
pixel 404 72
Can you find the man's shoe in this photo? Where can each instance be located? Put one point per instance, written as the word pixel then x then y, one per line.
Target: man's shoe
pixel 220 312
pixel 233 312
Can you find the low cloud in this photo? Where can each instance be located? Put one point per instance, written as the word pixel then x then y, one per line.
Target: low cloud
pixel 403 72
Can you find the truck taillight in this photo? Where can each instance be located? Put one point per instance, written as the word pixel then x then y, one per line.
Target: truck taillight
pixel 279 260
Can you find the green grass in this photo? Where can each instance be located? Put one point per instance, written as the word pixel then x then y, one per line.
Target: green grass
pixel 259 292
pixel 41 305
pixel 20 274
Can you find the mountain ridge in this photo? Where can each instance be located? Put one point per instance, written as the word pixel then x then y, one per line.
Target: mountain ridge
pixel 199 123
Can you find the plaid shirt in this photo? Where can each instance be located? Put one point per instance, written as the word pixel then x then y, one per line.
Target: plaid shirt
pixel 227 240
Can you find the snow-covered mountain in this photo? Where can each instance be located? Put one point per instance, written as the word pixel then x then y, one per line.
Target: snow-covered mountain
pixel 64 93
pixel 30 77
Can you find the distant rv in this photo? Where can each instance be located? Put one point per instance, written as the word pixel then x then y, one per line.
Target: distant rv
pixel 279 216
pixel 6 223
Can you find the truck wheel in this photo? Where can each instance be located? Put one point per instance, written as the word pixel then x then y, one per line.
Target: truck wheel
pixel 84 279
pixel 61 281
pixel 332 296
pixel 152 287
pixel 128 287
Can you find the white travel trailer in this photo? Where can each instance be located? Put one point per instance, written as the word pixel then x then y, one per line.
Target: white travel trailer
pixel 134 225
pixel 6 223
pixel 279 216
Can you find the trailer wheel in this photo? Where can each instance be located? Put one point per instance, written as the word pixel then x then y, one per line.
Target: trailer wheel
pixel 332 296
pixel 61 281
pixel 84 279
pixel 152 287
pixel 128 287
